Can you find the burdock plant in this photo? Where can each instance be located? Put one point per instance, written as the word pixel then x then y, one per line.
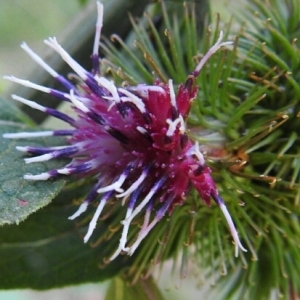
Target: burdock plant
pixel 180 116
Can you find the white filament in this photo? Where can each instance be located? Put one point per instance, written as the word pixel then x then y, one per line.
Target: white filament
pixel 195 150
pixel 98 27
pixel 32 104
pixel 52 42
pixel 27 148
pixel 82 208
pixel 130 214
pixel 94 220
pixel 138 102
pixel 76 102
pixel 143 90
pixel 211 51
pixel 28 84
pixel 39 60
pixel 110 86
pixel 172 93
pixel 42 176
pixel 233 230
pixel 142 234
pixel 123 239
pixel 39 158
pixel 134 186
pixel 142 130
pixel 21 135
pixel 172 126
pixel 114 186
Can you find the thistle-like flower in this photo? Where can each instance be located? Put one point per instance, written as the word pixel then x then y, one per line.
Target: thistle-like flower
pixel 132 139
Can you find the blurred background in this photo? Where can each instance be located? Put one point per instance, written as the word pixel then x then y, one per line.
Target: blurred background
pixel 31 21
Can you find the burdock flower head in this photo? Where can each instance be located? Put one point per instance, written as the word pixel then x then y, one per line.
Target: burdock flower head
pixel 132 139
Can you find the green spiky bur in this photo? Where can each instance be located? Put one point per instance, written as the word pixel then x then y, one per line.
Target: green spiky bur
pixel 246 116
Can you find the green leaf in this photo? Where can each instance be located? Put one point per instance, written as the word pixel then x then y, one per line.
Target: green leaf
pixel 19 197
pixel 143 290
pixel 47 251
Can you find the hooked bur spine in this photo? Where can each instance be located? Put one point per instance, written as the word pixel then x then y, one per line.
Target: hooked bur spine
pixel 133 140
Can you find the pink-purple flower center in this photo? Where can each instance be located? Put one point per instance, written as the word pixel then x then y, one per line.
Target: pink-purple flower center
pixel 132 139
